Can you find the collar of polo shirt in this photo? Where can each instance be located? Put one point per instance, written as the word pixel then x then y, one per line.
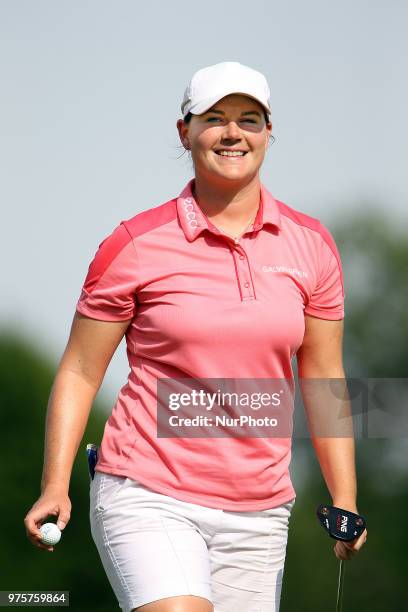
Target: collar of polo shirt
pixel 194 221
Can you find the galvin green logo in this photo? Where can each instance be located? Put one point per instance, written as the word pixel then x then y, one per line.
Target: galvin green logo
pixel 285 269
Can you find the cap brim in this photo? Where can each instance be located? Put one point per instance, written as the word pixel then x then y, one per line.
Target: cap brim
pixel 204 105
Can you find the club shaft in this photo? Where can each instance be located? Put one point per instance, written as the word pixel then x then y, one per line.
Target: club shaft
pixel 339 604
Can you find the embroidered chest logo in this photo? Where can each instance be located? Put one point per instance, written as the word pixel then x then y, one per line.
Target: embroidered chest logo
pixel 287 269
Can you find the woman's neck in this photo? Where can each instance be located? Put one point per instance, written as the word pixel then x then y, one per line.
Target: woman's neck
pixel 234 204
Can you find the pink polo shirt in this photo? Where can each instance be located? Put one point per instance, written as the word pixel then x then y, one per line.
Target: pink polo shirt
pixel 205 306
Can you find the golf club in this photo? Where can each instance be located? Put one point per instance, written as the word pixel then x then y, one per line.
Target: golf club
pixel 341 525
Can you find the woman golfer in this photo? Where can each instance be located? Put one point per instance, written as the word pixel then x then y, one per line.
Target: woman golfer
pixel 222 282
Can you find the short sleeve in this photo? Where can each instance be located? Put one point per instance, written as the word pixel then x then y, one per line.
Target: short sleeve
pixel 327 299
pixel 110 286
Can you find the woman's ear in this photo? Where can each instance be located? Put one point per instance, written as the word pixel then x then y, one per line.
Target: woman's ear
pixel 269 130
pixel 183 130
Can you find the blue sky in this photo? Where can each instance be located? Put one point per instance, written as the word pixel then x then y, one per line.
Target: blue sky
pixel 91 92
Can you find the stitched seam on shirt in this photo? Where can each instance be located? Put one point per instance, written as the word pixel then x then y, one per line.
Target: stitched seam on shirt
pixel 321 242
pixel 138 267
pixel 101 276
pixel 175 218
pixel 316 232
pixel 324 242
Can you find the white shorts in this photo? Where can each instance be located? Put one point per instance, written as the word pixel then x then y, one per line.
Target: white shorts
pixel 154 546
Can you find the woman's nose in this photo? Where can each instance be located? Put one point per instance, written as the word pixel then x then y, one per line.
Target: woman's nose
pixel 231 131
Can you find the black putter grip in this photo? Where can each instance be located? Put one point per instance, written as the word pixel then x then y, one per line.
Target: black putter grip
pixel 340 524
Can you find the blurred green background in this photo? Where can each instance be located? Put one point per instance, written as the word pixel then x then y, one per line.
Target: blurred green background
pixel 375 262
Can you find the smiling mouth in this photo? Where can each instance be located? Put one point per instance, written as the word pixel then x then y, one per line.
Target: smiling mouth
pixel 231 153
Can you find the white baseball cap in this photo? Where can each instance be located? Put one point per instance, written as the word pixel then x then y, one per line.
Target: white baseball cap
pixel 212 83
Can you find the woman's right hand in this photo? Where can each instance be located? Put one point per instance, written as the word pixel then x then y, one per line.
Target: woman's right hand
pixel 53 501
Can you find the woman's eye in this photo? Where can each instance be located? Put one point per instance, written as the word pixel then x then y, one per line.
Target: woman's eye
pixel 245 120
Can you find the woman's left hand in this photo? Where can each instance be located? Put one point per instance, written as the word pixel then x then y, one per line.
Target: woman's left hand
pixel 346 550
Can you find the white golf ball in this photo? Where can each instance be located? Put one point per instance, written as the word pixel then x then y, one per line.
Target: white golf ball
pixel 50 534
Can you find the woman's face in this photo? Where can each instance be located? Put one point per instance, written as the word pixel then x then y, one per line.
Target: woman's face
pixel 234 124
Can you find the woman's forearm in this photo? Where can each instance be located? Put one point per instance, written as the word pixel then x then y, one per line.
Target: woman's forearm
pixel 68 411
pixel 328 409
pixel 336 457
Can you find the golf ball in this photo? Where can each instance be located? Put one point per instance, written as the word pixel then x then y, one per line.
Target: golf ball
pixel 50 534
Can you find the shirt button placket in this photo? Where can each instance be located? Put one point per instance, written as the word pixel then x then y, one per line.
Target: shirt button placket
pixel 243 273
